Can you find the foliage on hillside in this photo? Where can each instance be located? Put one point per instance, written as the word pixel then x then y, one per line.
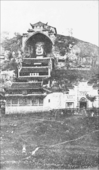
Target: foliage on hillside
pixel 66 79
pixel 12 44
pixel 83 48
pixel 72 47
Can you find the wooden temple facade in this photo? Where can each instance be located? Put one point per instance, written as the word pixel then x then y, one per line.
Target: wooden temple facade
pixel 28 92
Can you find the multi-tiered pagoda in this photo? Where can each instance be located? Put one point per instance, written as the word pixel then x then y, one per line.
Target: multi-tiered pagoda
pixel 28 93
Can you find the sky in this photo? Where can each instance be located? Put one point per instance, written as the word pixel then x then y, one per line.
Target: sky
pixel 78 17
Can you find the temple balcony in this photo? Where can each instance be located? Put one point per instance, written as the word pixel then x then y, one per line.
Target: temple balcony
pixel 35 62
pixel 34 73
pixel 33 70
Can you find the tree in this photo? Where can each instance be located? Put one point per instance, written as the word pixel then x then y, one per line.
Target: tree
pixel 91 99
pixel 62 52
pixel 65 79
pixel 10 65
pixel 12 44
pixel 94 80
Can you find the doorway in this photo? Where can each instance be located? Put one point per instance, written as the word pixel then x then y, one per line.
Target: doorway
pixel 83 103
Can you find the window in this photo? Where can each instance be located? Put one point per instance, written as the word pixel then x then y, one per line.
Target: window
pixel 14 101
pixel 22 102
pixel 8 102
pixel 40 102
pixel 28 101
pixel 49 100
pixel 69 104
pixel 34 74
pixel 24 92
pixel 35 102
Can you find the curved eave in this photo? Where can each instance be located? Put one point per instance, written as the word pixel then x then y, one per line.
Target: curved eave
pixel 38 32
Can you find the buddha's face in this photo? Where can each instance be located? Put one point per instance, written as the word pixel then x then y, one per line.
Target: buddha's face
pixel 39 48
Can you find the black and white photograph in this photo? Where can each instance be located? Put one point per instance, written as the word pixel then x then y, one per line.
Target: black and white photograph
pixel 49 85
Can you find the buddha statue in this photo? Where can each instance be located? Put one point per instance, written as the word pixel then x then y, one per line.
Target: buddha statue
pixel 39 49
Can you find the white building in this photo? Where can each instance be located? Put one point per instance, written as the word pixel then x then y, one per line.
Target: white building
pixel 75 99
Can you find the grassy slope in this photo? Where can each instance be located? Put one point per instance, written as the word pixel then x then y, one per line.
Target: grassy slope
pixel 63 143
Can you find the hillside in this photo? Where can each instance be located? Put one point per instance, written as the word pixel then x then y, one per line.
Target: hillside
pixel 81 47
pixel 81 55
pixel 83 60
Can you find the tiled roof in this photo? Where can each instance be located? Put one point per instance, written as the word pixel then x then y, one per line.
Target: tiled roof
pixel 38 24
pixel 41 24
pixel 25 85
pixel 30 78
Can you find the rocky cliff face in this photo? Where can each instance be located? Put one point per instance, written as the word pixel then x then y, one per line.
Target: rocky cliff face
pixel 79 53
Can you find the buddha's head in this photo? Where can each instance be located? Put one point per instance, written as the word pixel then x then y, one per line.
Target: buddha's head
pixel 39 48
